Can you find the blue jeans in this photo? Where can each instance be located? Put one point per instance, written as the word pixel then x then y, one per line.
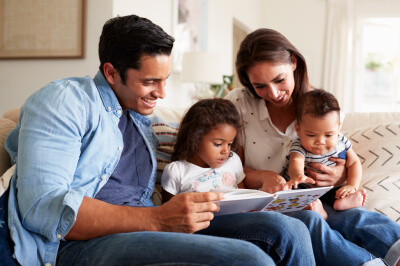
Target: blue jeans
pixel 288 246
pixel 352 237
pixel 373 231
pixel 285 239
pixel 158 248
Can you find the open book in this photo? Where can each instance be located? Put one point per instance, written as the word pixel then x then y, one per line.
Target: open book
pixel 245 200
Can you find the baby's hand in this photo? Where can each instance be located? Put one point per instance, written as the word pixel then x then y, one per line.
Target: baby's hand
pixel 345 190
pixel 295 181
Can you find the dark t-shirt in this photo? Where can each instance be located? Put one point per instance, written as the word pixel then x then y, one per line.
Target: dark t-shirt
pixel 132 174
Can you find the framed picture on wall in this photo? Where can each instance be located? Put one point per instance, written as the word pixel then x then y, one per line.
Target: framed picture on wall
pixel 190 29
pixel 42 29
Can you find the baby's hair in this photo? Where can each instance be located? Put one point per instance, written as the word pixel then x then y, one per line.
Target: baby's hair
pixel 199 120
pixel 317 103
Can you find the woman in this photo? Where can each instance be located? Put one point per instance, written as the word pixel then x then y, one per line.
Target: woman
pixel 274 75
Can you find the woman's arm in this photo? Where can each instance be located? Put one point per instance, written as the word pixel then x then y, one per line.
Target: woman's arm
pixel 268 181
pixel 330 176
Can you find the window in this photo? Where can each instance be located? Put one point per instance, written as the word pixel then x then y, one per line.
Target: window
pixel 379 63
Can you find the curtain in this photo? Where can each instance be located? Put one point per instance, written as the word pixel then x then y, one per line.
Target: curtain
pixel 338 72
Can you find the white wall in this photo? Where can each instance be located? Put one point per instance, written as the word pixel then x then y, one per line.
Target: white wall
pixel 219 32
pixel 20 78
pixel 303 23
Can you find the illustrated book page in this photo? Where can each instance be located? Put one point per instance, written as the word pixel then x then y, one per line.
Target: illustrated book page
pixel 247 200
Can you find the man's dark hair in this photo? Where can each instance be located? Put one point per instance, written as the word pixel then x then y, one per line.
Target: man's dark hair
pixel 204 116
pixel 124 40
pixel 317 103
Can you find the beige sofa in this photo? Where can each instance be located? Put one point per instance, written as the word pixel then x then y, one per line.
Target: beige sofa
pixel 375 138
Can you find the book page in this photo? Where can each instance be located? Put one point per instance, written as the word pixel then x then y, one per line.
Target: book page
pixel 295 200
pixel 242 200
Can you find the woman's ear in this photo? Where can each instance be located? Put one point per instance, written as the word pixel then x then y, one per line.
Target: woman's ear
pixel 294 62
pixel 110 73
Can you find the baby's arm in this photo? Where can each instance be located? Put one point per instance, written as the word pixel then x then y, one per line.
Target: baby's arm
pixel 354 174
pixel 296 171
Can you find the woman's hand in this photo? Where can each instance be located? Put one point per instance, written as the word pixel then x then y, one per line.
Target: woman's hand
pixel 328 175
pixel 268 181
pixel 272 182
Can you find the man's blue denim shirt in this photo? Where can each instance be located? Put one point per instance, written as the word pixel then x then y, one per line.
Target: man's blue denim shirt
pixel 66 145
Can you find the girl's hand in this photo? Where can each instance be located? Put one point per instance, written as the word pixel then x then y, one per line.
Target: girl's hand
pixel 344 191
pixel 301 179
pixel 329 176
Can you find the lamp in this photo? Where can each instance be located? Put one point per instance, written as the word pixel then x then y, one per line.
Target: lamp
pixel 202 69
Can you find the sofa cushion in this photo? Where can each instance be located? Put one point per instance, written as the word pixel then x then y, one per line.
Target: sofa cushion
pixel 5 126
pixel 12 114
pixel 378 148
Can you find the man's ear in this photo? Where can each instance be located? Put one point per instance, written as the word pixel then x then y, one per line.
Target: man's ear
pixel 110 73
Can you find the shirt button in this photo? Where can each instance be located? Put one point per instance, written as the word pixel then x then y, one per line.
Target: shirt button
pixel 119 148
pixel 119 112
pixel 116 122
pixel 47 264
pixel 109 108
pixel 103 177
pixel 59 236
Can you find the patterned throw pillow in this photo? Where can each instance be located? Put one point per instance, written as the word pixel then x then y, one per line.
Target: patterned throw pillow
pixel 166 133
pixel 378 148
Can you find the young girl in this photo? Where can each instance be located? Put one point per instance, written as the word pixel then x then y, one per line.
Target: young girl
pixel 318 125
pixel 203 156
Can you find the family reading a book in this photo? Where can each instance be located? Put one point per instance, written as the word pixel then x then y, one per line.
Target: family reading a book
pixel 85 162
pixel 279 116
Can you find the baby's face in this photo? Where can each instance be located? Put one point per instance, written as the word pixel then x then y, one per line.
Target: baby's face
pixel 319 135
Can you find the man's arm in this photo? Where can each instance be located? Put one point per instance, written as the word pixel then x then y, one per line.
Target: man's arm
pixel 188 213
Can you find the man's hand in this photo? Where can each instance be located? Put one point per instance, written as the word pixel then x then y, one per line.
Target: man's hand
pixel 188 212
pixel 330 176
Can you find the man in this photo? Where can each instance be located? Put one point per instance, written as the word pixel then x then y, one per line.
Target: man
pixel 85 155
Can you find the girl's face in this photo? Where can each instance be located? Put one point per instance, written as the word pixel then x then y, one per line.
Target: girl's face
pixel 273 82
pixel 215 147
pixel 319 135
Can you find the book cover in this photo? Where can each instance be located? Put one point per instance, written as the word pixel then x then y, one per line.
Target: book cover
pixel 246 200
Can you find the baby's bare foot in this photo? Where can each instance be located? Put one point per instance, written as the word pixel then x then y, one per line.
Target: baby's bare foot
pixel 317 207
pixel 355 200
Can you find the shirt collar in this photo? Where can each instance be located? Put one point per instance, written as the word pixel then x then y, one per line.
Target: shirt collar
pixel 107 95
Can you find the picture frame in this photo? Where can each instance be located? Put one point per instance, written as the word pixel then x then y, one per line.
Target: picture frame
pixel 190 29
pixel 42 29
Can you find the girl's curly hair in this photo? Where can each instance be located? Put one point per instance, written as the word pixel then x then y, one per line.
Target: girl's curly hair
pixel 199 120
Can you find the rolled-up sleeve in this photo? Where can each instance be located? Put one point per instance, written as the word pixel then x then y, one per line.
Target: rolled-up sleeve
pixel 52 124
